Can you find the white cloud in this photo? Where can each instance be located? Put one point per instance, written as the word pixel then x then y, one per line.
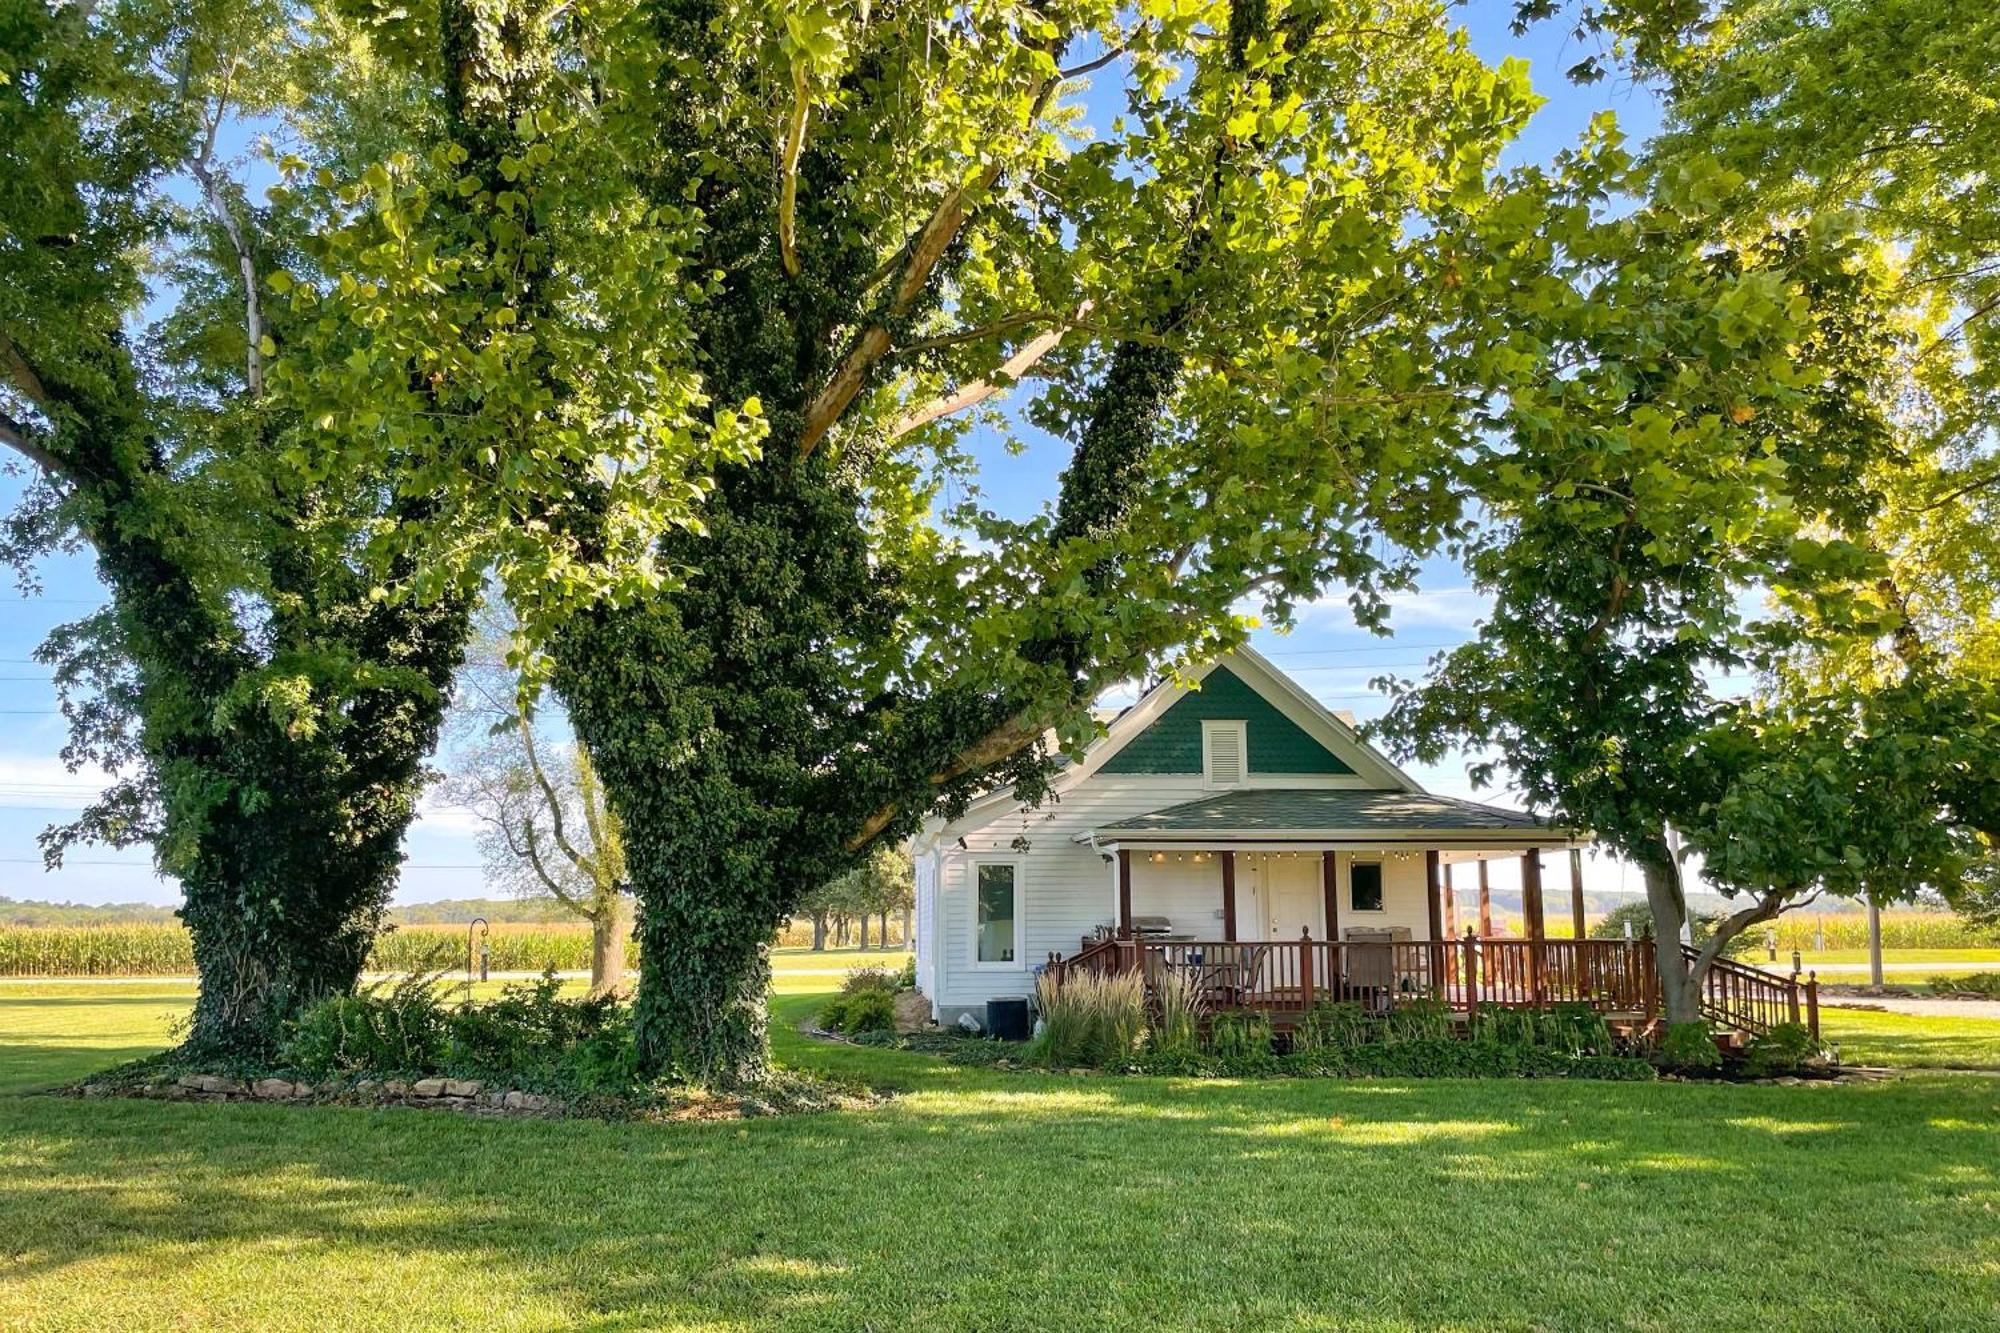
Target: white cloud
pixel 437 813
pixel 1454 609
pixel 40 782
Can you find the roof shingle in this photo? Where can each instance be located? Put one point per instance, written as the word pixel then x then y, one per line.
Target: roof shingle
pixel 1308 810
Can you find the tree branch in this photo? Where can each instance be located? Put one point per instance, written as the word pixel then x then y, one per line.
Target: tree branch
pixel 22 375
pixel 1767 907
pixel 989 749
pixel 526 851
pixel 1005 324
pixel 211 188
pixel 1078 71
pixel 921 254
pixel 788 170
pixel 970 395
pixel 17 437
pixel 576 858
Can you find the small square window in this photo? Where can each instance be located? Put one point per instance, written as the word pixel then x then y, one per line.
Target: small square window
pixel 996 892
pixel 1364 886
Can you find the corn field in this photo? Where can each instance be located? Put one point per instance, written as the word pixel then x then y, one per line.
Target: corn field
pixel 163 950
pixel 1900 930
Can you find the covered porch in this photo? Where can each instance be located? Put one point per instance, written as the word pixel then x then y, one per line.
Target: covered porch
pixel 1278 901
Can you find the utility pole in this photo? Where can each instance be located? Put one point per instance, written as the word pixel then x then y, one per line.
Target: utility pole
pixel 1874 941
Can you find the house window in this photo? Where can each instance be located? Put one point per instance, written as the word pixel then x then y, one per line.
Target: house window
pixel 1222 753
pixel 1364 886
pixel 997 891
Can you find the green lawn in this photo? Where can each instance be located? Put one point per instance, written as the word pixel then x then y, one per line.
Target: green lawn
pixel 1910 1041
pixel 994 1200
pixel 1945 960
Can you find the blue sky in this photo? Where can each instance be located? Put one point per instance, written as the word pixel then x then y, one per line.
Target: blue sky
pixel 1326 654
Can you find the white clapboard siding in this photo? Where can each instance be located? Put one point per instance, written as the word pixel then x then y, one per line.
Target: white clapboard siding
pixel 1067 889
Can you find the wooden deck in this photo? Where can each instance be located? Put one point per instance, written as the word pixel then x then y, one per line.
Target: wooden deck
pixel 1285 979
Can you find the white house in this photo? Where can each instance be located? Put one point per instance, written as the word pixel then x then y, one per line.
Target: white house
pixel 1239 810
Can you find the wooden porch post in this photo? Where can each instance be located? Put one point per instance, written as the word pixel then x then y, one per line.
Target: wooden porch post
pixel 1533 925
pixel 1329 881
pixel 1485 903
pixel 1229 895
pixel 1434 900
pixel 1450 904
pixel 1124 891
pixel 1576 891
pixel 1471 973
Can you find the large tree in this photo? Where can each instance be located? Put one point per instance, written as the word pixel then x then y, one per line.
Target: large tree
pixel 547 829
pixel 1265 288
pixel 1672 548
pixel 266 715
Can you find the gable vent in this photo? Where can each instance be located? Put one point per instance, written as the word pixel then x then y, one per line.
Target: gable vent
pixel 1224 747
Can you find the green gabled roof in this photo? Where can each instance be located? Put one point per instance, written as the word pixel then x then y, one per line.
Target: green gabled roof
pixel 1296 810
pixel 1275 743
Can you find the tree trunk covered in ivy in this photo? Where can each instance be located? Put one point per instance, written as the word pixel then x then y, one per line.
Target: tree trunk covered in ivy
pixel 866 217
pixel 267 715
pixel 745 758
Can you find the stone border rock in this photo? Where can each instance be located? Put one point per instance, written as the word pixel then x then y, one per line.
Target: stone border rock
pixel 438 1094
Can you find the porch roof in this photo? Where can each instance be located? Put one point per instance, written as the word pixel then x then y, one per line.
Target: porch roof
pixel 1326 814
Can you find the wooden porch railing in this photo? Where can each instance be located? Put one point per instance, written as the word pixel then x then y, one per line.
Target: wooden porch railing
pixel 1285 978
pixel 1288 977
pixel 1753 1000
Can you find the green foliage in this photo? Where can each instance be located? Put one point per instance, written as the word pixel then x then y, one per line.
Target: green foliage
pixel 1985 984
pixel 1784 1049
pixel 1689 1046
pixel 265 714
pixel 1334 1026
pixel 867 978
pixel 906 975
pixel 531 1029
pixel 1090 1019
pixel 866 1002
pixel 1639 916
pixel 680 325
pixel 868 1009
pixel 1240 1040
pixel 528 1037
pixel 403 1028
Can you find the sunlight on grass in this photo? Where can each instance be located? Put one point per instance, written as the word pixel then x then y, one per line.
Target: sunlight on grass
pixel 991 1199
pixel 1341 1129
pixel 1771 1125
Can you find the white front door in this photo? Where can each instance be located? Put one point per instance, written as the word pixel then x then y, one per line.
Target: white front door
pixel 1292 901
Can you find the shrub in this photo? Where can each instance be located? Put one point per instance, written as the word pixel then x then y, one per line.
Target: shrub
pixel 906 976
pixel 1333 1025
pixel 868 978
pixel 1978 983
pixel 869 1009
pixel 1786 1047
pixel 403 1029
pixel 1689 1046
pixel 529 1029
pixel 1242 1038
pixel 1575 1029
pixel 1089 1019
pixel 1416 1020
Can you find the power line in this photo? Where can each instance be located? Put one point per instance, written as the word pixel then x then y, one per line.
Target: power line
pixel 139 865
